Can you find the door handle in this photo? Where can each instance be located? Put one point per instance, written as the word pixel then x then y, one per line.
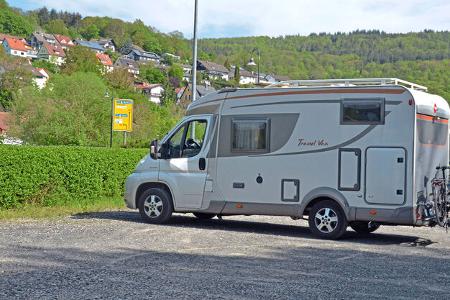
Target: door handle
pixel 202 164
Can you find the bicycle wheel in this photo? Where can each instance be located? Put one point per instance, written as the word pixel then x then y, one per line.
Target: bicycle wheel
pixel 440 206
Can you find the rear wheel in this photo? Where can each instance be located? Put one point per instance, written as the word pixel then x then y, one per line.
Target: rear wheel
pixel 364 227
pixel 204 216
pixel 327 220
pixel 155 206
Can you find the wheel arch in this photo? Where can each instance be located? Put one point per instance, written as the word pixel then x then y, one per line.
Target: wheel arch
pixel 325 193
pixel 148 185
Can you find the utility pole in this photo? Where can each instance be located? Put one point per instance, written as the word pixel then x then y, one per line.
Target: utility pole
pixel 194 56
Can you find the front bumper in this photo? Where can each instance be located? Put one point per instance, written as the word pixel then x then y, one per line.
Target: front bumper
pixel 131 185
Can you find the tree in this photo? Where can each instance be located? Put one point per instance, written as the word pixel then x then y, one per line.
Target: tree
pixel 119 79
pixel 72 110
pixel 152 74
pixel 13 23
pixel 237 74
pixel 81 59
pixel 227 64
pixel 176 71
pixel 57 27
pixel 90 32
pixel 45 64
pixel 15 75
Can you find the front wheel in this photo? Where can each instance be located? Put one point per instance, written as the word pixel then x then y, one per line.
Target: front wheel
pixel 327 220
pixel 155 206
pixel 362 227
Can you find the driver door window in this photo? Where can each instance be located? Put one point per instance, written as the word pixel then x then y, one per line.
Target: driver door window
pixel 194 138
pixel 188 140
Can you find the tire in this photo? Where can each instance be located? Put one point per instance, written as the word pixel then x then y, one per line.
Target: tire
pixel 362 227
pixel 327 220
pixel 155 206
pixel 204 216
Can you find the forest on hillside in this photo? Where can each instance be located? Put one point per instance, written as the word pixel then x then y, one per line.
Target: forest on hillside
pixel 417 56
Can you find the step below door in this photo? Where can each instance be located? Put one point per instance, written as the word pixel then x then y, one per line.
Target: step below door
pixel 385 176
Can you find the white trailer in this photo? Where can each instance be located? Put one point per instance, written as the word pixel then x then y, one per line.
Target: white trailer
pixel 358 152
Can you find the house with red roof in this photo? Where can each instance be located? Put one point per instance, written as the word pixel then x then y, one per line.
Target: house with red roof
pixel 54 53
pixel 17 47
pixel 154 91
pixel 106 61
pixel 65 41
pixel 4 116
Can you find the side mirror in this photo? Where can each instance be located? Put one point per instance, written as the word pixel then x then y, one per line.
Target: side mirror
pixel 164 151
pixel 154 149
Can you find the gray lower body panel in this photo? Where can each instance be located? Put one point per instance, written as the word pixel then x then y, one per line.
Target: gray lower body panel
pixel 400 216
pixel 245 208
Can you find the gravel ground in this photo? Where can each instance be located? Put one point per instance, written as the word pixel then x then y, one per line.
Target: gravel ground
pixel 115 255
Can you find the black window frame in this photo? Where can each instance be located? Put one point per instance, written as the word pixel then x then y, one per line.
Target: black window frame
pixel 380 101
pixel 251 120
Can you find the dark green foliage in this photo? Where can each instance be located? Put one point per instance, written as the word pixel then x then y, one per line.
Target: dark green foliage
pixel 176 71
pixel 57 27
pixel 13 23
pixel 60 175
pixel 152 74
pixel 45 64
pixel 81 59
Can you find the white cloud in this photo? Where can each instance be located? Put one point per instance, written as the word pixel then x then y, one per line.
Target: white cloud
pixel 269 17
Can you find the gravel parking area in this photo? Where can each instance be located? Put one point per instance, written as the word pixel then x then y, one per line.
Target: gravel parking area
pixel 115 255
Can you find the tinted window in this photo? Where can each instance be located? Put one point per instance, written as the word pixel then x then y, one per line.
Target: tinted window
pixel 432 132
pixel 250 135
pixel 363 112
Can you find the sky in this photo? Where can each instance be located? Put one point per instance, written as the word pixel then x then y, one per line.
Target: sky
pixel 233 18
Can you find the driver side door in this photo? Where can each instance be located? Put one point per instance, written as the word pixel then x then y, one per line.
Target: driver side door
pixel 185 169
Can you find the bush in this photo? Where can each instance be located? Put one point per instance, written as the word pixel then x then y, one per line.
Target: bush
pixel 60 175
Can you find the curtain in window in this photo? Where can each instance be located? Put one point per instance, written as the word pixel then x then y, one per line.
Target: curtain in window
pixel 249 135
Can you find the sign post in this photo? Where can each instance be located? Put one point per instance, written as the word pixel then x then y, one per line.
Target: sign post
pixel 122 116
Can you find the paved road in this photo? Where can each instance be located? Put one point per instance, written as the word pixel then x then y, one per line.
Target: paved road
pixel 115 255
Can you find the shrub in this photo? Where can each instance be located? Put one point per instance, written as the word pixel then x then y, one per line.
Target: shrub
pixel 58 175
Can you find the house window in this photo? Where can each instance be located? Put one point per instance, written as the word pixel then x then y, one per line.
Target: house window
pixel 250 135
pixel 362 112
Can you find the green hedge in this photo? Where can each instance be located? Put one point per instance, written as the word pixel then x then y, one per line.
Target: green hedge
pixel 59 175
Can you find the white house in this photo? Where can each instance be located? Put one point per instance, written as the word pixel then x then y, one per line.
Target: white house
pixel 154 92
pixel 213 70
pixel 40 77
pixel 245 77
pixel 17 47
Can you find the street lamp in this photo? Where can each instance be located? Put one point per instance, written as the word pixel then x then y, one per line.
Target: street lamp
pixel 252 62
pixel 194 56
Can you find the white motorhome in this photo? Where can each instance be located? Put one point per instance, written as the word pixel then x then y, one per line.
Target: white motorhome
pixel 358 152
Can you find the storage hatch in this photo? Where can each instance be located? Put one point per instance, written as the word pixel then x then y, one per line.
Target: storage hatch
pixel 385 176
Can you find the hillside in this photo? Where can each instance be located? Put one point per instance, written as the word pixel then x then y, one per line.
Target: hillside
pixel 423 57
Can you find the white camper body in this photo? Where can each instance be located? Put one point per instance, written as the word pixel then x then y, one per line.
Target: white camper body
pixel 365 149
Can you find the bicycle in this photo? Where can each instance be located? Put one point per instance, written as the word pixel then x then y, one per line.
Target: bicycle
pixel 440 195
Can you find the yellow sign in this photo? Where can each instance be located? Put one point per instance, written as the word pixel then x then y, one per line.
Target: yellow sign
pixel 123 115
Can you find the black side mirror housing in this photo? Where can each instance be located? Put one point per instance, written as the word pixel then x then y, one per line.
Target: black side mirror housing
pixel 154 149
pixel 164 151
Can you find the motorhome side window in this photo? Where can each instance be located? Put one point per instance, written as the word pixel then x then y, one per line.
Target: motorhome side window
pixel 188 140
pixel 361 112
pixel 250 135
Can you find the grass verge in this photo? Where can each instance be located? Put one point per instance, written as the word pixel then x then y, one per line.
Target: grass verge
pixel 50 212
